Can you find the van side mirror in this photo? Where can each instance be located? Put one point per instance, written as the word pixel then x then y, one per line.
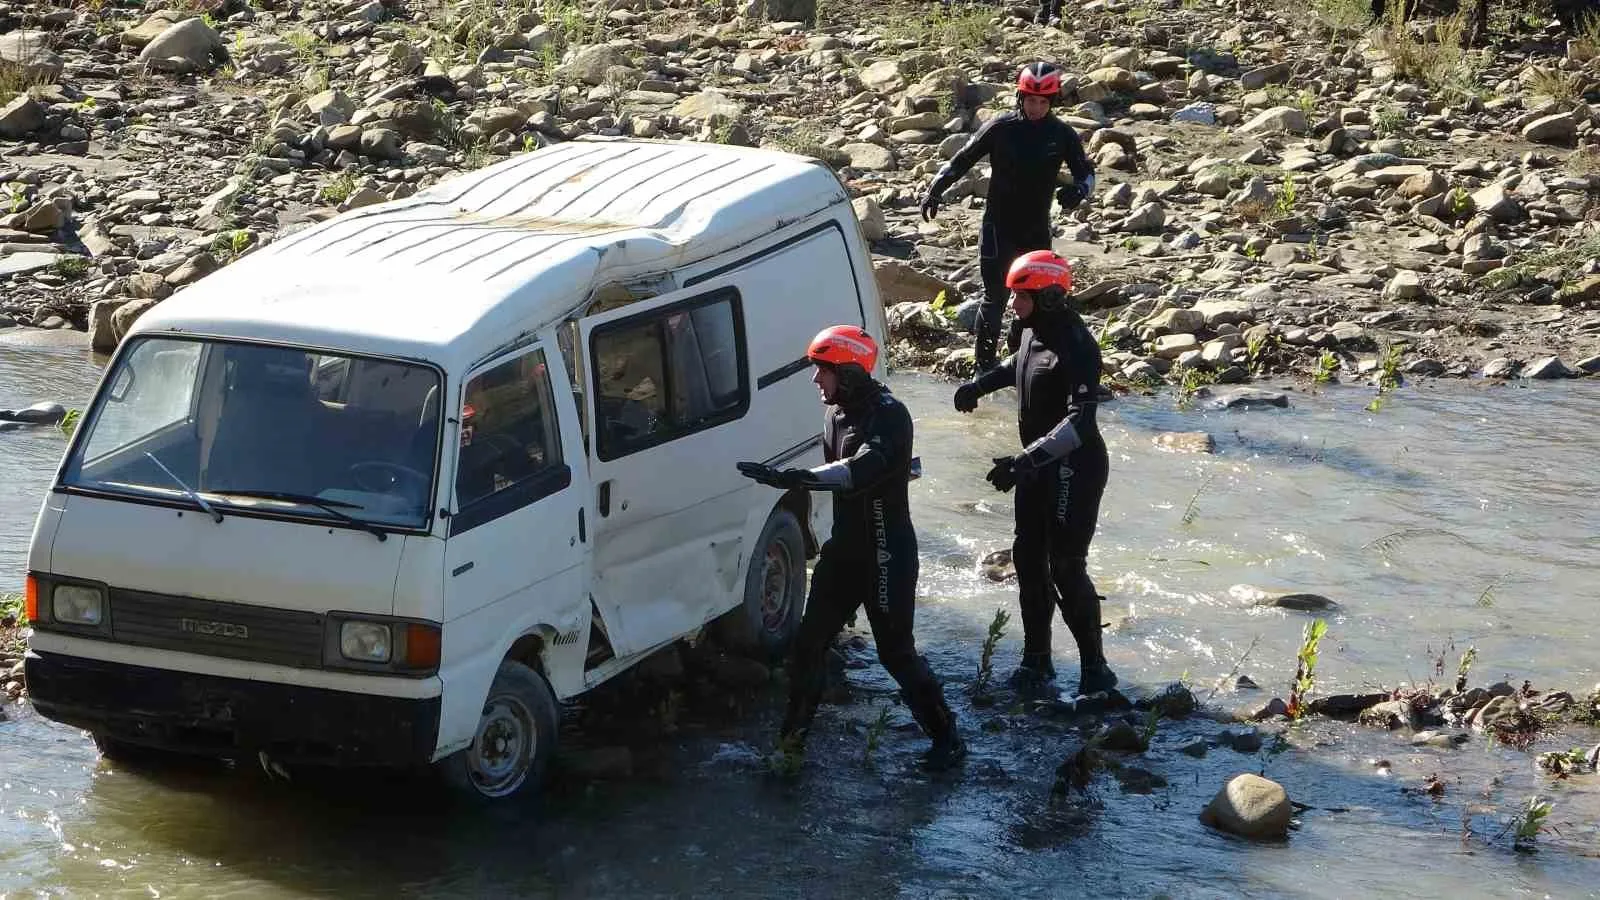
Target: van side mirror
pixel 121 386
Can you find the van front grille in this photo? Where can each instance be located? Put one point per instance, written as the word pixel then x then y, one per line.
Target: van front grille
pixel 233 630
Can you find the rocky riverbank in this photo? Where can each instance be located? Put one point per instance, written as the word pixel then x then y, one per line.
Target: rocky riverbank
pixel 1280 191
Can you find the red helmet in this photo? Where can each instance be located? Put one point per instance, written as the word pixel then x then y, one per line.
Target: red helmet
pixel 840 345
pixel 1040 78
pixel 1039 270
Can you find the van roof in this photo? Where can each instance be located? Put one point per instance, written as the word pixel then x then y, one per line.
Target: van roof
pixel 467 264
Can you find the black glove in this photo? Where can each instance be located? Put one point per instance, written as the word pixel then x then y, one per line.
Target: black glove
pixel 1070 195
pixel 967 397
pixel 1003 476
pixel 930 205
pixel 786 479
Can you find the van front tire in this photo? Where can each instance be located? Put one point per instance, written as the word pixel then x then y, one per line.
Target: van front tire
pixel 514 742
pixel 766 622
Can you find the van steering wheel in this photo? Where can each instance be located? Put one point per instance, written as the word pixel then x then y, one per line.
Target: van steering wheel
pixel 387 474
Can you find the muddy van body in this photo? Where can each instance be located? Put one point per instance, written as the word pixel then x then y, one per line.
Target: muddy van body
pixel 389 489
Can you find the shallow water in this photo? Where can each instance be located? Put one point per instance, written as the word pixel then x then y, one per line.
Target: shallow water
pixel 1491 491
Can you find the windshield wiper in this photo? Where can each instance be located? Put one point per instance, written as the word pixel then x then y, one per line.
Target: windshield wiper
pixel 199 500
pixel 331 507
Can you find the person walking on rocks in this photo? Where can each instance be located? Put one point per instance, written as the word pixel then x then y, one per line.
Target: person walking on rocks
pixel 1026 149
pixel 1061 473
pixel 870 558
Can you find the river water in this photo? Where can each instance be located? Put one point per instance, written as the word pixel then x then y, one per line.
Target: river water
pixel 1458 515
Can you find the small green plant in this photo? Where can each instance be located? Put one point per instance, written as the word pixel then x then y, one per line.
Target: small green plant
pixel 1306 668
pixel 340 188
pixel 1562 87
pixel 875 733
pixel 788 757
pixel 1284 206
pixel 1531 823
pixel 1327 367
pixel 16 197
pixel 1104 338
pixel 13 606
pixel 1486 599
pixel 1190 383
pixel 1465 666
pixel 1342 17
pixel 69 422
pixel 997 630
pixel 1460 202
pixel 229 245
pixel 1390 121
pixel 1388 375
pixel 529 143
pixel 72 267
pixel 1152 723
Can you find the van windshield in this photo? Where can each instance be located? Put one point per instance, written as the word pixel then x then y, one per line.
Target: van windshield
pixel 275 430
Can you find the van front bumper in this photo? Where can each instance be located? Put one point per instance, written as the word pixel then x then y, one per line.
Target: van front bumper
pixel 211 715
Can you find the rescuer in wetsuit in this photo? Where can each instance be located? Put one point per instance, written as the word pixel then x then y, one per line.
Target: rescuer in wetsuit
pixel 1026 149
pixel 1061 473
pixel 871 557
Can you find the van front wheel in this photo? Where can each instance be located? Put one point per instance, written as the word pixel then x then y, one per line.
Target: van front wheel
pixel 515 739
pixel 774 591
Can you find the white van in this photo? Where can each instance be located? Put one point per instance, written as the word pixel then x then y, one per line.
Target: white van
pixel 388 489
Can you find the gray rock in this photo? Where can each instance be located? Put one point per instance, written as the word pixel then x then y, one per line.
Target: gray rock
pixel 870 157
pixel 1494 202
pixel 1406 285
pixel 1250 806
pixel 1225 312
pixel 381 143
pixel 1392 714
pixel 29 52
pixel 21 117
pixel 1256 79
pixel 590 64
pixel 1174 321
pixel 1196 748
pixel 1199 113
pixel 331 107
pixel 1186 441
pixel 1560 128
pixel 123 318
pixel 711 107
pixel 1500 368
pixel 870 214
pixel 1427 368
pixel 188 46
pixel 1122 738
pixel 1277 119
pixel 1590 365
pixel 1548 368
pixel 1246 398
pixel 883 76
pixel 102 335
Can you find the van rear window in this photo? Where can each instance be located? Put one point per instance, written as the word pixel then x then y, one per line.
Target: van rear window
pixel 668 373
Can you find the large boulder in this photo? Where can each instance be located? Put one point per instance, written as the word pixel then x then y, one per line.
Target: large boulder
pixel 29 51
pixel 899 283
pixel 1250 806
pixel 188 46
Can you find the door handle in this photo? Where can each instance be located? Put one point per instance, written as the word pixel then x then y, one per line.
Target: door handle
pixel 605 497
pixel 582 529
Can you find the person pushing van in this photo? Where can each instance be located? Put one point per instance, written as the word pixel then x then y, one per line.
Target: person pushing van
pixel 1060 475
pixel 1026 149
pixel 870 558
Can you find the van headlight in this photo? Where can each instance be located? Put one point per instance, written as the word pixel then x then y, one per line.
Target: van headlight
pixel 368 642
pixel 77 604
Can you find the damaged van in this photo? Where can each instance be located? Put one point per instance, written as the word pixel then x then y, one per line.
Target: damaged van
pixel 390 489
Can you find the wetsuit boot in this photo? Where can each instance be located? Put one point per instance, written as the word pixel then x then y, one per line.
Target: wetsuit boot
pixel 1083 620
pixel 925 697
pixel 1034 673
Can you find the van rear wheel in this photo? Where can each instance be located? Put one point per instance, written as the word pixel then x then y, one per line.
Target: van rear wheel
pixel 514 741
pixel 774 592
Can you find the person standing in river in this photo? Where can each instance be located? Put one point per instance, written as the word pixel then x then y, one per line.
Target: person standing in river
pixel 871 557
pixel 1061 473
pixel 1026 149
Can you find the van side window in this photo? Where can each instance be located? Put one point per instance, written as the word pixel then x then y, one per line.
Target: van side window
pixel 669 373
pixel 509 431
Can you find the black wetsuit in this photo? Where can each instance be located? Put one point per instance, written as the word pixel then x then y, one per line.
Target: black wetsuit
pixel 1056 371
pixel 1025 159
pixel 869 560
